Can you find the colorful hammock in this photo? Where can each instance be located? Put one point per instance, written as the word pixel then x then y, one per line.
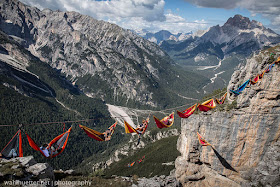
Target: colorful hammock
pixel 255 80
pixel 166 122
pixel 222 99
pixel 188 112
pixel 207 105
pixel 262 74
pixel 269 67
pixel 59 143
pixel 278 60
pixel 129 129
pixel 241 88
pixel 202 141
pixel 98 135
pixel 143 157
pixel 14 147
pixel 130 164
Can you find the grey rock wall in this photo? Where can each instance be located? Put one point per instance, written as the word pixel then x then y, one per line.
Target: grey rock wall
pixel 245 140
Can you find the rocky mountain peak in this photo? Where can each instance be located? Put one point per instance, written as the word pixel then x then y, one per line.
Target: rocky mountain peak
pixel 242 22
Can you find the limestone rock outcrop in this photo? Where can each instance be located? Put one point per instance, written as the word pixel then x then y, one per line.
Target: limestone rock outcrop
pixel 245 141
pixel 25 169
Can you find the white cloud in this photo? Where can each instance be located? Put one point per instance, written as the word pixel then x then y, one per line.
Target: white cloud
pixel 269 9
pixel 215 3
pixel 129 14
pixel 149 10
pixel 173 23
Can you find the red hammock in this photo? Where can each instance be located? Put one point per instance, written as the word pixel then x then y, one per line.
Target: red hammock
pixel 143 157
pixel 202 141
pixel 14 146
pixel 129 129
pixel 60 141
pixel 255 80
pixel 207 105
pixel 98 135
pixel 222 99
pixel 188 112
pixel 165 122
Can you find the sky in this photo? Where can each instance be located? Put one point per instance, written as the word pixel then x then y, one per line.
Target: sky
pixel 176 16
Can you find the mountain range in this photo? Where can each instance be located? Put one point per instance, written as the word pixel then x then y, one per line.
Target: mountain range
pixel 106 62
pixel 219 50
pixel 163 35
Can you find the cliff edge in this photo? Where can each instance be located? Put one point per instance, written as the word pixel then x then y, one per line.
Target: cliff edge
pixel 245 140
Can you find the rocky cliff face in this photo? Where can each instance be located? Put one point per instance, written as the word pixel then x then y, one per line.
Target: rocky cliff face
pixel 102 59
pixel 245 140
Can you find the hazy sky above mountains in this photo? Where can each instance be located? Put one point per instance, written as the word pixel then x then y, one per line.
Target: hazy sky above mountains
pixel 172 15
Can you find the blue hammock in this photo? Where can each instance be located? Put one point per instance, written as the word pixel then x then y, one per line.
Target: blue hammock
pixel 241 88
pixel 269 68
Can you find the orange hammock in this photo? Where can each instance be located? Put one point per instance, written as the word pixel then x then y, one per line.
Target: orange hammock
pixel 130 165
pixel 14 147
pixel 129 129
pixel 186 113
pixel 278 60
pixel 105 136
pixel 166 122
pixel 222 99
pixel 207 105
pixel 59 143
pixel 255 80
pixel 202 141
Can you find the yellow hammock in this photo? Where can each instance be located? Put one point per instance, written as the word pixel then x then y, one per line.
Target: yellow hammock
pixel 105 136
pixel 166 122
pixel 202 141
pixel 207 105
pixel 222 99
pixel 130 129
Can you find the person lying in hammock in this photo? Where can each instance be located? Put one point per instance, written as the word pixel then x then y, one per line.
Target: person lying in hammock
pixel 54 149
pixel 12 154
pixel 141 127
pixel 168 120
pixel 45 150
pixel 107 134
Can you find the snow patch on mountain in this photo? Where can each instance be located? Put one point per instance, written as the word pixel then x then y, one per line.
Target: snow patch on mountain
pixel 199 33
pixel 258 31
